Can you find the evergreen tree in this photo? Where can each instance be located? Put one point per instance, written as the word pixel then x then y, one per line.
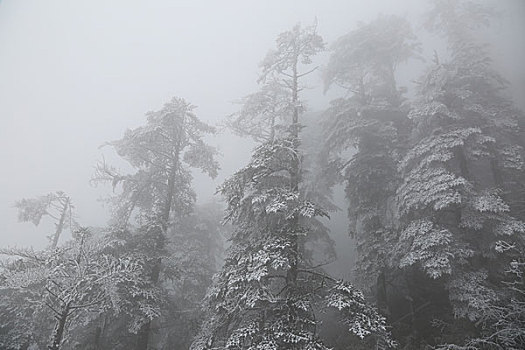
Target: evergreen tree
pixel 158 195
pixel 365 137
pixel 455 202
pixel 268 293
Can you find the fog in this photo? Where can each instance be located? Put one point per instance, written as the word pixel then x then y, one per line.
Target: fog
pixel 434 176
pixel 74 75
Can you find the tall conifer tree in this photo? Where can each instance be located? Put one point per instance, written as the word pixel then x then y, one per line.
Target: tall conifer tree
pixel 268 293
pixel 456 206
pixel 158 196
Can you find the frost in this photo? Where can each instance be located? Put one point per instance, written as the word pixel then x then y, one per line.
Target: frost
pixel 470 296
pixel 79 276
pixel 438 147
pixel 434 186
pixel 512 157
pixel 430 246
pixel 361 319
pixel 489 201
pixel 502 246
pixel 509 226
pixel 430 110
pixel 240 335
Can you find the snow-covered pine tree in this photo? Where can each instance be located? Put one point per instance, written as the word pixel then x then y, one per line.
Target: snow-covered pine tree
pixel 158 195
pixel 365 138
pixel 466 158
pixel 267 294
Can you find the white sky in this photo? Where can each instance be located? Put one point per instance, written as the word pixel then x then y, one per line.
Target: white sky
pixel 74 74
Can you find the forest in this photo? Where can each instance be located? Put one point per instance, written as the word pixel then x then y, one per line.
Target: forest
pixel 433 186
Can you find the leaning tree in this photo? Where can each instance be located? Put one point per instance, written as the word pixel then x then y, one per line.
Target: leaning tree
pixel 57 205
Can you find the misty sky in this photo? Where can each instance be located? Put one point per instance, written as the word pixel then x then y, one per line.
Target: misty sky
pixel 75 74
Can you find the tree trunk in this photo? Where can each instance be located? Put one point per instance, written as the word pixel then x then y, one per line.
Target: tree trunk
pixel 496 172
pixel 145 331
pixel 60 326
pixel 291 276
pixel 272 129
pixel 462 159
pixel 99 334
pixel 381 293
pixel 142 343
pixel 60 225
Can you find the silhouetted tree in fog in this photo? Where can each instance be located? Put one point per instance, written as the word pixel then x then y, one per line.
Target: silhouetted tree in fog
pixel 56 205
pixel 159 192
pixel 366 135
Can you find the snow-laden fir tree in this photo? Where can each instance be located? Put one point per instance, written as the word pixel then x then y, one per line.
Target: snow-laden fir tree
pixel 456 201
pixel 366 134
pixel 158 195
pixel 268 293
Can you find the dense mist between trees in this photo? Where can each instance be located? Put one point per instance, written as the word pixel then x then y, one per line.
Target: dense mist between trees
pixel 262 175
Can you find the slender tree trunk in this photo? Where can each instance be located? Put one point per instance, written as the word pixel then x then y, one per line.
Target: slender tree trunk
pixel 169 195
pixel 145 331
pixel 60 326
pixel 61 223
pixel 99 333
pixel 291 276
pixel 272 129
pixel 142 343
pixel 295 100
pixel 462 159
pixel 496 172
pixel 381 292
